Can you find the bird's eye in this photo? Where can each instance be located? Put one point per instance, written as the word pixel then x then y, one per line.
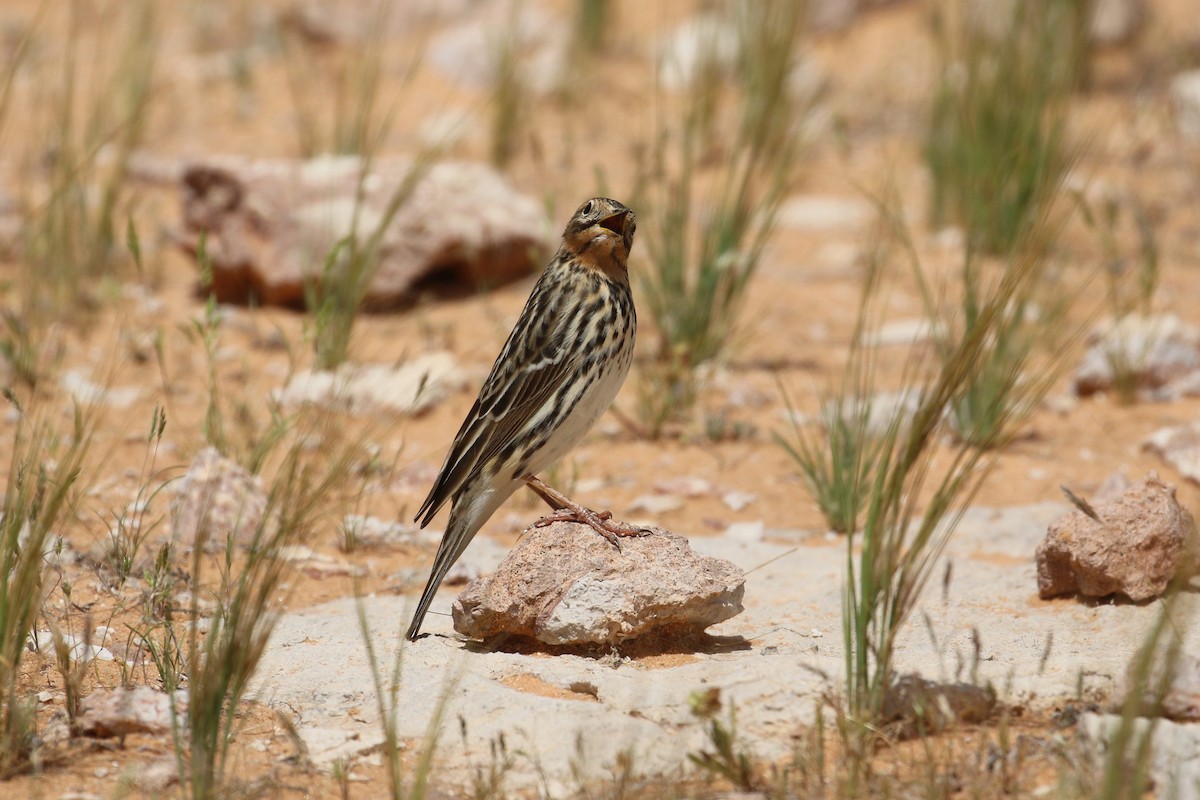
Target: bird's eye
pixel 589 207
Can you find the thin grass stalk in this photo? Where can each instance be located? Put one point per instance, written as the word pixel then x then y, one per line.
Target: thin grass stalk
pixel 16 59
pixel 37 496
pixel 69 236
pixel 1125 770
pixel 899 546
pixel 591 21
pixel 387 703
pixel 353 78
pixel 838 459
pixel 701 267
pixel 995 146
pixel 350 267
pixel 221 664
pixel 509 91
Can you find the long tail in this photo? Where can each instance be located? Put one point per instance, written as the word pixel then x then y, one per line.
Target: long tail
pixel 458 535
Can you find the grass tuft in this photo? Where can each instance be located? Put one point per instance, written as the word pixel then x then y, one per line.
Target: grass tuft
pixel 996 146
pixel 350 266
pixel 219 662
pixel 707 229
pixel 908 493
pixel 837 455
pixel 1129 290
pixel 70 235
pixel 43 471
pixel 347 76
pixel 510 89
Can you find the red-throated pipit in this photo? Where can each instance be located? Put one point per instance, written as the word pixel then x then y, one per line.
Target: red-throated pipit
pixel 558 372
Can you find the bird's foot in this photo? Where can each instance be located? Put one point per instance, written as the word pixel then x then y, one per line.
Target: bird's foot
pixel 567 510
pixel 599 521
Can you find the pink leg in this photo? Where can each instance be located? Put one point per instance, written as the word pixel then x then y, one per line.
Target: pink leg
pixel 567 510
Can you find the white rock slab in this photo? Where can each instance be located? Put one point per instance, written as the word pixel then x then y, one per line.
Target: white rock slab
pixel 412 387
pixel 1185 95
pixel 768 662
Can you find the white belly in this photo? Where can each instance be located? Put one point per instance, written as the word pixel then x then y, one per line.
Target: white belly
pixel 581 419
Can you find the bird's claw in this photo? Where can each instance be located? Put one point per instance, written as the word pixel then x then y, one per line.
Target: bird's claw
pixel 599 521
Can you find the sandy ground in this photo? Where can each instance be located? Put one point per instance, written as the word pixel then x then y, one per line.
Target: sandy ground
pixel 797 321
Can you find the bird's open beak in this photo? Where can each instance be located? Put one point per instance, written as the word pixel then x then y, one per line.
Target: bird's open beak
pixel 615 223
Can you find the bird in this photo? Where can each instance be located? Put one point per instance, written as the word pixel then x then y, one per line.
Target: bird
pixel 557 373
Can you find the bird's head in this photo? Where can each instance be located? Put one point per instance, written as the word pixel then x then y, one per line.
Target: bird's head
pixel 601 233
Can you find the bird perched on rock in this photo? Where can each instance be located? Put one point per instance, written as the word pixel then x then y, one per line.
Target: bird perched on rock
pixel 558 372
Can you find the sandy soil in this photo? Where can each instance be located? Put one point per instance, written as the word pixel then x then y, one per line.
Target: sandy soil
pixel 798 317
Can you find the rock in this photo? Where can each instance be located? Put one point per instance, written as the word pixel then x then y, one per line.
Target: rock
pixel 79 385
pixel 471 53
pixel 271 224
pixel 158 776
pixel 359 532
pixel 1172 764
pixel 1134 548
pixel 980 623
pixel 921 706
pixel 747 531
pixel 125 710
pixel 1185 95
pixel 825 15
pixel 689 486
pixel 701 43
pixel 318 565
pixel 412 387
pixel 905 332
pixel 1161 350
pixel 884 408
pixel 80 649
pixel 1179 446
pixel 737 501
pixel 216 502
pixel 565 585
pixel 820 214
pixel 1181 699
pixel 1115 21
pixel 655 504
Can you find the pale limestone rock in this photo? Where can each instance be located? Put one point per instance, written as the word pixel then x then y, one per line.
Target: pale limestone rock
pixel 271 225
pixel 125 710
pixel 1134 548
pixel 216 502
pixel 566 585
pixel 1185 95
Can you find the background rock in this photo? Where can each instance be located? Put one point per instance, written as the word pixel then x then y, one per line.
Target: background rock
pixel 412 387
pixel 1181 700
pixel 125 710
pixel 1179 446
pixel 566 585
pixel 1174 757
pixel 1162 350
pixel 1185 95
pixel 776 663
pixel 1134 547
pixel 270 225
pixel 216 501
